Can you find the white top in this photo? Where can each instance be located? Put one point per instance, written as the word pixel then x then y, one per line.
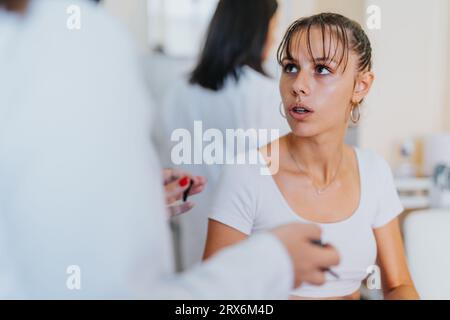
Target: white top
pixel 251 103
pixel 79 180
pixel 251 202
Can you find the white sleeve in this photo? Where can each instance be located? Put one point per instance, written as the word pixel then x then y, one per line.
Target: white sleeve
pixel 258 268
pixel 389 205
pixel 81 187
pixel 235 199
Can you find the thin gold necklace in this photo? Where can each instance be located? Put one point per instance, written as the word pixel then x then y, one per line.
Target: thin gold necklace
pixel 319 191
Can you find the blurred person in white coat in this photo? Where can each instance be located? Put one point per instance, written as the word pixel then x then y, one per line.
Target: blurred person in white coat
pixel 228 89
pixel 80 187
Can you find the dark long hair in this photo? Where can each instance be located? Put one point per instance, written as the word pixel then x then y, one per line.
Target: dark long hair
pixel 236 37
pixel 13 5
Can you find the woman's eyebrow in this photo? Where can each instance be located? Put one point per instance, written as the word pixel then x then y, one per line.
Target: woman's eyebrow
pixel 315 60
pixel 289 60
pixel 324 59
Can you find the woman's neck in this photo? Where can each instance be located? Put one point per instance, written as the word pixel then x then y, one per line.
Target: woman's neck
pixel 319 156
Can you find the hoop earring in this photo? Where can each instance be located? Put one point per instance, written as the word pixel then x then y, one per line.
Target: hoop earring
pixel 281 108
pixel 356 119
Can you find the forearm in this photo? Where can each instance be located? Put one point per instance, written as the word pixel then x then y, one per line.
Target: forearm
pixel 402 292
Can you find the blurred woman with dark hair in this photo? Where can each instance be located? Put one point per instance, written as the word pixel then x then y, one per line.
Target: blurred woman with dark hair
pixel 240 34
pixel 14 5
pixel 228 89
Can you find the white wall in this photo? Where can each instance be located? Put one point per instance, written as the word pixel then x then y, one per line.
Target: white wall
pixel 294 9
pixel 447 104
pixel 133 14
pixel 408 98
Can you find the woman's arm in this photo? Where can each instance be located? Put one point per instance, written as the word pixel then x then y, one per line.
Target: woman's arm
pixel 397 282
pixel 219 237
pixel 310 261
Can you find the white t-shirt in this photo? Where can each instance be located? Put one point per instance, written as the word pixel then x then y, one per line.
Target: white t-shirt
pixel 251 202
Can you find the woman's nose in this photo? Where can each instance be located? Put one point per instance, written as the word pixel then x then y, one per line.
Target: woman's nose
pixel 301 87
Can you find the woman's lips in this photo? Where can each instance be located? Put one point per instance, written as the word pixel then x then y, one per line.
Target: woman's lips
pixel 300 112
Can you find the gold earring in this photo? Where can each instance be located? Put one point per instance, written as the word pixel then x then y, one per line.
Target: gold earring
pixel 356 119
pixel 281 108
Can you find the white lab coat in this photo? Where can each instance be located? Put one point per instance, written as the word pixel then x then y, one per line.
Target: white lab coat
pixel 79 181
pixel 251 103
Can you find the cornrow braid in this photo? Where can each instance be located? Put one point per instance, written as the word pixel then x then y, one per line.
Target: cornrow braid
pixel 361 45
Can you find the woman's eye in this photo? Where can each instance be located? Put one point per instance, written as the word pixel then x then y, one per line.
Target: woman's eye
pixel 323 70
pixel 290 68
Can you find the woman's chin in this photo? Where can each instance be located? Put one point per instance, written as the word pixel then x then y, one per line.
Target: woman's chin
pixel 303 131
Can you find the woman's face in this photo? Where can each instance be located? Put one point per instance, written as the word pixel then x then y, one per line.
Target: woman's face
pixel 317 96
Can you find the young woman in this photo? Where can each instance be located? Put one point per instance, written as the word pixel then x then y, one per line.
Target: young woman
pixel 228 89
pixel 326 73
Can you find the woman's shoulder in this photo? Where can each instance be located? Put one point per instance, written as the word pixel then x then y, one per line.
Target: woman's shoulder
pixel 373 161
pixel 180 86
pixel 182 98
pixel 240 181
pixel 246 165
pixel 263 83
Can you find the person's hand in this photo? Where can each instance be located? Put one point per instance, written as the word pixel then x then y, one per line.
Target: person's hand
pixel 175 183
pixel 310 261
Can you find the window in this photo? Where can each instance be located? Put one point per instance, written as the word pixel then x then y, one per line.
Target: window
pixel 177 27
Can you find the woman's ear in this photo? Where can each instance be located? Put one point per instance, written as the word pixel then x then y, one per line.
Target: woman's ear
pixel 362 87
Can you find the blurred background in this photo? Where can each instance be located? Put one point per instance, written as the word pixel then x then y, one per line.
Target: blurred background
pixel 406 117
pixel 411 96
